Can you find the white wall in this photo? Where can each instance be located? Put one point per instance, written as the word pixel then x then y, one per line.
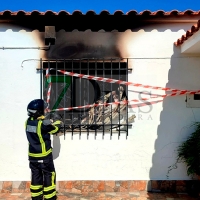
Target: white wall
pixel 149 149
pixel 18 87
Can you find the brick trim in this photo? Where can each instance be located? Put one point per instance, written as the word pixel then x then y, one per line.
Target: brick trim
pixel 83 187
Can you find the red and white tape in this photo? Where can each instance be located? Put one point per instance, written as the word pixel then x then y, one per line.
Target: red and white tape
pixel 130 102
pixel 176 92
pixel 144 104
pixel 109 80
pixel 49 86
pixel 98 104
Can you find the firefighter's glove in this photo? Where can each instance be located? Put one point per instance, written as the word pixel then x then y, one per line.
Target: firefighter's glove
pixel 58 123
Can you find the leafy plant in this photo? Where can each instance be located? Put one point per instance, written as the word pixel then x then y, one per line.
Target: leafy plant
pixel 189 153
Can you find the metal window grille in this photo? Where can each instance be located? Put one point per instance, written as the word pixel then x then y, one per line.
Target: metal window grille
pixel 70 91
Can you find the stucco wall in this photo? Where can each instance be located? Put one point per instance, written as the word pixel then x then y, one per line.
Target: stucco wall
pixel 157 129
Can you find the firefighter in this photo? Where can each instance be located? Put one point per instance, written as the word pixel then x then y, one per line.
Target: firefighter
pixel 38 132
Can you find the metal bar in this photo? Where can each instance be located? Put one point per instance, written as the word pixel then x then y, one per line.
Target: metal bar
pixel 56 82
pixel 50 80
pixel 72 97
pixel 103 99
pixel 20 48
pixel 115 125
pixel 127 97
pixel 114 69
pixel 111 95
pixel 80 99
pixel 56 85
pixel 64 97
pixel 108 59
pixel 88 92
pixel 41 71
pixel 95 109
pixel 119 100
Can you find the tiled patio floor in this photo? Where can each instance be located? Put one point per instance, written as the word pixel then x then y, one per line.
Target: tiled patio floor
pixel 105 196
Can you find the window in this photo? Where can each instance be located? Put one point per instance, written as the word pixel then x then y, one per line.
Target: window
pixel 71 92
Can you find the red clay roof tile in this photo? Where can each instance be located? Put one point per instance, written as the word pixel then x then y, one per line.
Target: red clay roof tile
pixel 144 14
pixel 188 34
pixel 103 12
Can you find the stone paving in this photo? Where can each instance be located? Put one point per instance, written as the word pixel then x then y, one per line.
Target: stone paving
pixel 105 196
pixel 106 190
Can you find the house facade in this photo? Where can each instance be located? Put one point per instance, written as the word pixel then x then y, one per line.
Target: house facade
pixel 134 149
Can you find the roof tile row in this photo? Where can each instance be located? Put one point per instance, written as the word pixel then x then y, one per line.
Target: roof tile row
pixel 188 34
pixel 180 41
pixel 104 12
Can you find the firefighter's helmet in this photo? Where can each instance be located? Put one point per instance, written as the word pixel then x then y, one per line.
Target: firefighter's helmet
pixel 36 107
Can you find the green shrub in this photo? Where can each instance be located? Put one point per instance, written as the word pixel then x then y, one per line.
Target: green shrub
pixel 189 153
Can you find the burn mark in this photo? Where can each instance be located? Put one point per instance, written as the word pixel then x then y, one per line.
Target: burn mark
pixel 81 50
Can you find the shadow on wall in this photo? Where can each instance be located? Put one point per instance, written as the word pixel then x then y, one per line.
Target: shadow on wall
pixel 175 118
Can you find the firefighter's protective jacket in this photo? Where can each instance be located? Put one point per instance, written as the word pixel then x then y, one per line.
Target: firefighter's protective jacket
pixel 38 132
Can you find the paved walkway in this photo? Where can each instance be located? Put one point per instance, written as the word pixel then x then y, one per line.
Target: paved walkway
pixel 104 196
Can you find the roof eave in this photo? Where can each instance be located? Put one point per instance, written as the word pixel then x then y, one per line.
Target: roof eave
pixel 192 44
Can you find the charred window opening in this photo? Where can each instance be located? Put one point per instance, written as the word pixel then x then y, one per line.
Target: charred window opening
pixel 75 93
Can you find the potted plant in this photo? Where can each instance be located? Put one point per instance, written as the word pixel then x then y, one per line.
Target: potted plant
pixel 189 153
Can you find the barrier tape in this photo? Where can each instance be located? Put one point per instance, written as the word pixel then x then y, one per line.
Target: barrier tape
pixel 119 102
pixel 49 93
pixel 144 104
pixel 49 86
pixel 95 105
pixel 109 80
pixel 176 92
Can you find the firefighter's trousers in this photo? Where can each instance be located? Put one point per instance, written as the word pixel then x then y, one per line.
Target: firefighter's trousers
pixel 43 180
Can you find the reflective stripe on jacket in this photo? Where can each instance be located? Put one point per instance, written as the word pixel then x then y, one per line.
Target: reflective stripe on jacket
pixel 38 135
